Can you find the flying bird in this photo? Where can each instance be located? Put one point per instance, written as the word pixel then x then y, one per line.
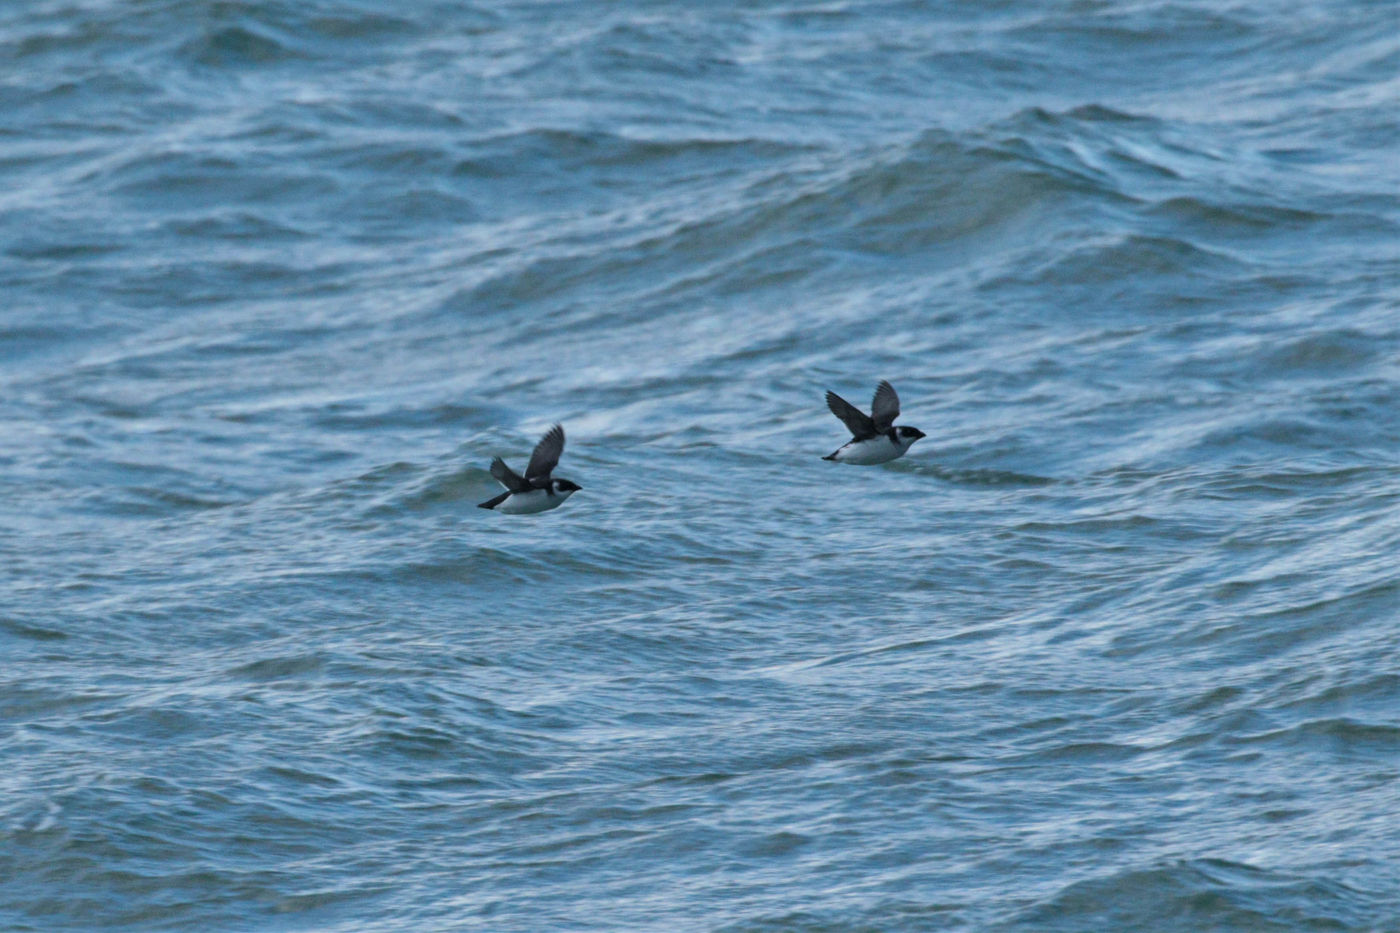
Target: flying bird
pixel 874 438
pixel 536 491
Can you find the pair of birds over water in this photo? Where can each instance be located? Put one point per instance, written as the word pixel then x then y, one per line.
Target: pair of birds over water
pixel 874 439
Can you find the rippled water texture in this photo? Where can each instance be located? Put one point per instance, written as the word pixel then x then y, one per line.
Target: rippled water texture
pixel 1113 649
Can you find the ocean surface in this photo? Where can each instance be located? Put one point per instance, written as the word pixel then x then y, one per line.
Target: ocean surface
pixel 1115 648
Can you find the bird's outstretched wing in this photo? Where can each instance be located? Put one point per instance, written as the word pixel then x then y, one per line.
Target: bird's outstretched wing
pixel 858 422
pixel 508 477
pixel 884 408
pixel 546 456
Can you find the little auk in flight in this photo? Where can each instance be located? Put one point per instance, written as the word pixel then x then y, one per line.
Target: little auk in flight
pixel 535 491
pixel 874 438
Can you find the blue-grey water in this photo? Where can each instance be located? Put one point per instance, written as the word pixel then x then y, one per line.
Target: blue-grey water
pixel 1115 648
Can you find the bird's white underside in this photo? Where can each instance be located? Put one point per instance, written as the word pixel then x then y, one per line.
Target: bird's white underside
pixel 536 500
pixel 871 451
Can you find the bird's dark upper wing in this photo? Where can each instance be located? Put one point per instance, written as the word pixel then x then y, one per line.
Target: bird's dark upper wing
pixel 860 424
pixel 508 477
pixel 546 455
pixel 884 408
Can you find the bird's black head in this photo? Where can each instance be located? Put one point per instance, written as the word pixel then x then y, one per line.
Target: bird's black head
pixel 910 434
pixel 566 485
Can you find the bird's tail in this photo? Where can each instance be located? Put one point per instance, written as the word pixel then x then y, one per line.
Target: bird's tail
pixel 492 503
pixel 832 455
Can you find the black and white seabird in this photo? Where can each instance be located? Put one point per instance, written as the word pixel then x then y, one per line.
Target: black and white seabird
pixel 535 491
pixel 874 438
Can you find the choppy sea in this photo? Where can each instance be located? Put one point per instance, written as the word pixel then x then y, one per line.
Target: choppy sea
pixel 1115 648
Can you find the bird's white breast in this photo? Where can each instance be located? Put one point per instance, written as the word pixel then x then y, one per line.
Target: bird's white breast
pixel 536 500
pixel 870 451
